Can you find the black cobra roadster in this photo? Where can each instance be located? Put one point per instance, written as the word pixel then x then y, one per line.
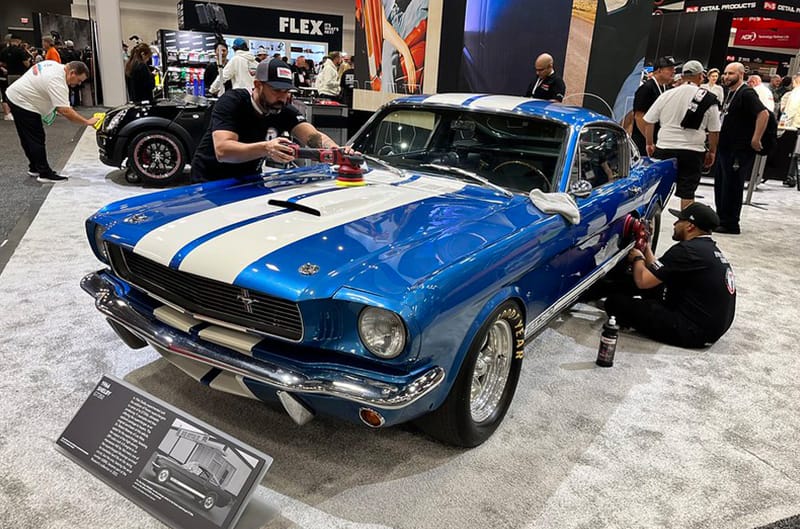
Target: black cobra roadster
pixel 154 141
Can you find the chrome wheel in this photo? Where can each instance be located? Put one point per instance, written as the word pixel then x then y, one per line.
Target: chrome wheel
pixel 163 475
pixel 492 368
pixel 209 502
pixel 157 157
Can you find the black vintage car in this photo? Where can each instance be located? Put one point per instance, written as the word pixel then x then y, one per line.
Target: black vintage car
pixel 194 480
pixel 154 140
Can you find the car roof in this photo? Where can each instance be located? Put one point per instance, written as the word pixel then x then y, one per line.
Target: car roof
pixel 570 115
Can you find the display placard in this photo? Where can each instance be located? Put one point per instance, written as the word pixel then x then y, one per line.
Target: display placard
pixel 181 470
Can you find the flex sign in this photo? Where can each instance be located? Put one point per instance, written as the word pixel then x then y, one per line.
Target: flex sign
pixel 302 26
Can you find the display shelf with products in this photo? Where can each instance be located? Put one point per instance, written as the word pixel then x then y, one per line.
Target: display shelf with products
pixel 186 55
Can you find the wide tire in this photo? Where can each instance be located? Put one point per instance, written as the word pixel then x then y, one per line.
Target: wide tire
pixel 484 388
pixel 209 501
pixel 655 224
pixel 157 157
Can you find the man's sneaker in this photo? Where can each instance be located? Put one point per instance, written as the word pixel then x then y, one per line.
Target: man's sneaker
pixel 33 174
pixel 52 178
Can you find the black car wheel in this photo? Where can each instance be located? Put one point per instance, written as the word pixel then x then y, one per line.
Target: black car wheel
pixel 157 157
pixel 209 501
pixel 655 226
pixel 485 386
pixel 162 476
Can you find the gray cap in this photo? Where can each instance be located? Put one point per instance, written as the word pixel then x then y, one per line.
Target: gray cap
pixel 692 68
pixel 275 73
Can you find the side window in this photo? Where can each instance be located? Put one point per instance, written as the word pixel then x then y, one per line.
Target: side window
pixel 603 155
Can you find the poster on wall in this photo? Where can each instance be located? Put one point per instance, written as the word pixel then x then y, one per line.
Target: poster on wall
pixel 271 46
pixel 390 45
pixel 310 50
pixel 493 63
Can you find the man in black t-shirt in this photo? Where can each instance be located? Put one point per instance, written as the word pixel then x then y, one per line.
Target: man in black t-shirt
pixel 744 120
pixel 547 84
pixel 248 126
pixel 695 301
pixel 646 95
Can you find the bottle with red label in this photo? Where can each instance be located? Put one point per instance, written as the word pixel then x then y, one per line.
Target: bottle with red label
pixel 608 343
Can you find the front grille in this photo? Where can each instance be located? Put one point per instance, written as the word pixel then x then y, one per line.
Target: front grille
pixel 209 298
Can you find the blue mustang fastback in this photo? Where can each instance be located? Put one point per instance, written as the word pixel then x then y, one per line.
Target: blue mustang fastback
pixel 410 297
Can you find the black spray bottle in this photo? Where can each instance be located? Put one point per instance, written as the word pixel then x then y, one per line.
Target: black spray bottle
pixel 608 343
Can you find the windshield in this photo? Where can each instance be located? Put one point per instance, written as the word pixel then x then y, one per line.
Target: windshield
pixel 518 153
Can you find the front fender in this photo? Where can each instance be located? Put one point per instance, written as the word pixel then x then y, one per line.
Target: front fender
pixel 452 370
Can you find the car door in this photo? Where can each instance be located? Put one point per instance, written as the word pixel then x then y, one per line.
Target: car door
pixel 603 159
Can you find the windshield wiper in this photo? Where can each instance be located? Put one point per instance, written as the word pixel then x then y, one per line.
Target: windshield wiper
pixel 469 174
pixel 395 170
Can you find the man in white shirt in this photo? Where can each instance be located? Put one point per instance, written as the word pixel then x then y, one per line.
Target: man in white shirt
pixel 764 93
pixel 685 113
pixel 791 114
pixel 240 70
pixel 328 84
pixel 37 97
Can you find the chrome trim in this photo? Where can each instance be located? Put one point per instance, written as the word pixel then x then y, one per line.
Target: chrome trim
pixel 321 381
pixel 570 297
pixel 201 317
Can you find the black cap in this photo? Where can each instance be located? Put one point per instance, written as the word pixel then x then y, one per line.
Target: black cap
pixel 665 62
pixel 698 214
pixel 275 73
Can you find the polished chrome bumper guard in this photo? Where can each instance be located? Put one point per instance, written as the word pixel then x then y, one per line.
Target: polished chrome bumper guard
pixel 329 382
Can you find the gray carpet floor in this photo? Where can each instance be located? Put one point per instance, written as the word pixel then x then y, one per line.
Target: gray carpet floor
pixel 667 438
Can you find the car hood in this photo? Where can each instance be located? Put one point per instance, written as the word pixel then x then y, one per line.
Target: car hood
pixel 306 241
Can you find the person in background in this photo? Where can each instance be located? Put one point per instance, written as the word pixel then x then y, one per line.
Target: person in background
pixel 301 73
pixel 764 93
pixel 547 85
pixel 261 54
pixel 328 80
pixel 138 77
pixel 713 86
pixel 240 70
pixel 646 95
pixel 689 116
pixel 213 69
pixel 15 61
pixel 744 120
pixel 37 96
pixel 347 82
pixel 780 93
pixel 69 53
pixel 688 297
pixel 51 53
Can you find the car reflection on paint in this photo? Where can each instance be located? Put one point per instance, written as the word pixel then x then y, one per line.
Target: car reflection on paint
pixel 409 298
pixel 192 480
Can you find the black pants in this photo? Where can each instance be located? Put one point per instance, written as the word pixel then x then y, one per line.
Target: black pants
pixel 31 136
pixel 690 165
pixel 733 170
pixel 655 320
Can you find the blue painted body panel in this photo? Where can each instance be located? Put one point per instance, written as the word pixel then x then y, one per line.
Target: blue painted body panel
pixel 442 263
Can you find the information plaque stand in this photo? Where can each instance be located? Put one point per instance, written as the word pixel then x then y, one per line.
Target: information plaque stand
pixel 181 470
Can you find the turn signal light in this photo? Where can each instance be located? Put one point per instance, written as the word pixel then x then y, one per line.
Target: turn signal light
pixel 371 418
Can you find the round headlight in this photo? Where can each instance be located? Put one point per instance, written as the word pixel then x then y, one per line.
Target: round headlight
pixel 382 332
pixel 115 121
pixel 98 242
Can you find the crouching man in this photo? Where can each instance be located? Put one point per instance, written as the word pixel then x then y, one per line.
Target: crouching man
pixel 688 297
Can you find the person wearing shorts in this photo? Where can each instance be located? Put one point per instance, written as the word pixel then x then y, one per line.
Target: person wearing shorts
pixel 690 124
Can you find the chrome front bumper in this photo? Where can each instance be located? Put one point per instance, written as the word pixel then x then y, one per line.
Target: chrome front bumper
pixel 321 381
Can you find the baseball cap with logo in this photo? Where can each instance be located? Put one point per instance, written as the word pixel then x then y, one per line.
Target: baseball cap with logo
pixel 665 62
pixel 276 74
pixel 692 68
pixel 698 214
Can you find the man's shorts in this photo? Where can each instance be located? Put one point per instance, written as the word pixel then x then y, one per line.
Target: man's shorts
pixel 690 164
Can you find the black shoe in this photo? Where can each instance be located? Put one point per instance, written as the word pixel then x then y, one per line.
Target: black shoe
pixel 32 173
pixel 789 182
pixel 51 178
pixel 729 231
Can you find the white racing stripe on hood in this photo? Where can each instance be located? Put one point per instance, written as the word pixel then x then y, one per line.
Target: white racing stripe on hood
pixel 498 102
pixel 223 258
pixel 161 244
pixel 450 99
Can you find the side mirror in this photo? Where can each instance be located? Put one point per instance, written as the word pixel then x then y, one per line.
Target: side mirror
pixel 580 188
